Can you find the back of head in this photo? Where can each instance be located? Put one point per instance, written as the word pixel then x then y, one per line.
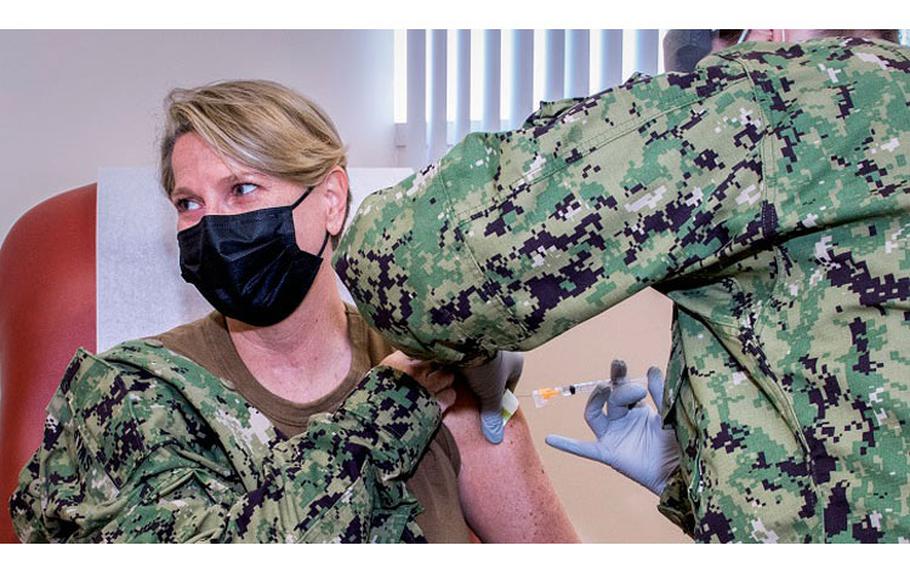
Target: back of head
pixel 887 35
pixel 726 38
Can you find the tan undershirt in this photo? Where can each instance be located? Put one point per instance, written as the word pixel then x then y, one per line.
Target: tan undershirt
pixel 434 483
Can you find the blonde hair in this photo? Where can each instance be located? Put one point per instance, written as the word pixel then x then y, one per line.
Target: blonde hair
pixel 260 124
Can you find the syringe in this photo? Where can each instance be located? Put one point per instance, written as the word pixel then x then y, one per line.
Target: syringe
pixel 543 396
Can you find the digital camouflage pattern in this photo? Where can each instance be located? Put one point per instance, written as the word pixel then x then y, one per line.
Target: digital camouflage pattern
pixel 143 445
pixel 768 194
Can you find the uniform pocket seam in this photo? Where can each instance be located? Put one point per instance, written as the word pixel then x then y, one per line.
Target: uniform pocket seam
pixel 471 260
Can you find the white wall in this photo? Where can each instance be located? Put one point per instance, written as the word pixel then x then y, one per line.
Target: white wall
pixel 74 101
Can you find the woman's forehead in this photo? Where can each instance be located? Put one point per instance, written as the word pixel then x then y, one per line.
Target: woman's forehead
pixel 195 162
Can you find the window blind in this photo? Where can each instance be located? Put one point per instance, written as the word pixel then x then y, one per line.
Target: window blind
pixel 507 72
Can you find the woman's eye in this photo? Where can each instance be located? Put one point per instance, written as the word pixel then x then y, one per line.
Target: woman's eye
pixel 186 205
pixel 245 188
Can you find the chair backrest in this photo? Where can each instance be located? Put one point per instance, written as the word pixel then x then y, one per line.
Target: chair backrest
pixel 90 268
pixel 47 309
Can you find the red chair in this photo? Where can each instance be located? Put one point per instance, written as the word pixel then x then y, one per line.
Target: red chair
pixel 47 310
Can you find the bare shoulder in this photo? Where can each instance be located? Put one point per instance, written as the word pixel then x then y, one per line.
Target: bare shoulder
pixel 504 490
pixel 463 420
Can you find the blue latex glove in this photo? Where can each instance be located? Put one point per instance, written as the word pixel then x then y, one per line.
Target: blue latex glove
pixel 489 382
pixel 630 434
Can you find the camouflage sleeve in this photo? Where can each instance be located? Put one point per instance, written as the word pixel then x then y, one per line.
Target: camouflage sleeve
pixel 514 237
pixel 139 465
pixel 675 504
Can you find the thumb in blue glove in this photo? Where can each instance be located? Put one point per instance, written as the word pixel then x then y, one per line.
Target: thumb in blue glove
pixel 489 382
pixel 629 436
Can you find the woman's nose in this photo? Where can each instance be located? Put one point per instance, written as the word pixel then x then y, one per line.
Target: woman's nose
pixel 216 208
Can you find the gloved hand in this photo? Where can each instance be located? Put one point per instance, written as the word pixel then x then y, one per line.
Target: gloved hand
pixel 489 381
pixel 630 435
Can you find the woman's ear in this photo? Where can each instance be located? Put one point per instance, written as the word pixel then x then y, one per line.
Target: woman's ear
pixel 336 196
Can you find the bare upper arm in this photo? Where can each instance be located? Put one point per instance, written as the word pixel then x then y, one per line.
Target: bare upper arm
pixel 504 490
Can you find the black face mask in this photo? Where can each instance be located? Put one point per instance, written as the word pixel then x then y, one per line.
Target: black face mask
pixel 248 266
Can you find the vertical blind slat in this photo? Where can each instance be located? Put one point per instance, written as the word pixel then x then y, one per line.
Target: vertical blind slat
pixel 438 122
pixel 491 79
pixel 555 67
pixel 417 109
pixel 578 53
pixel 522 76
pixel 646 49
pixel 610 59
pixel 463 84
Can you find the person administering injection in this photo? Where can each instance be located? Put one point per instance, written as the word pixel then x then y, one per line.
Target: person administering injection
pixel 767 193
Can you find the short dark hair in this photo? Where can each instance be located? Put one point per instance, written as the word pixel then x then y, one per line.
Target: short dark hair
pixel 732 36
pixel 887 35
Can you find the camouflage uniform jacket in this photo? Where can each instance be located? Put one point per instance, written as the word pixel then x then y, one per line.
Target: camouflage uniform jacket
pixel 143 445
pixel 768 195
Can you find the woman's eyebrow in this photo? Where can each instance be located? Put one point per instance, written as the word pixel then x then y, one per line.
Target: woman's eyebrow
pixel 237 176
pixel 232 178
pixel 181 192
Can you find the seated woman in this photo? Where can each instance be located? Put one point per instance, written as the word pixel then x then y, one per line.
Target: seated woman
pixel 280 416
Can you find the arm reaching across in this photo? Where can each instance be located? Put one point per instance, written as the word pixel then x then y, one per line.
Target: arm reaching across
pixel 515 237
